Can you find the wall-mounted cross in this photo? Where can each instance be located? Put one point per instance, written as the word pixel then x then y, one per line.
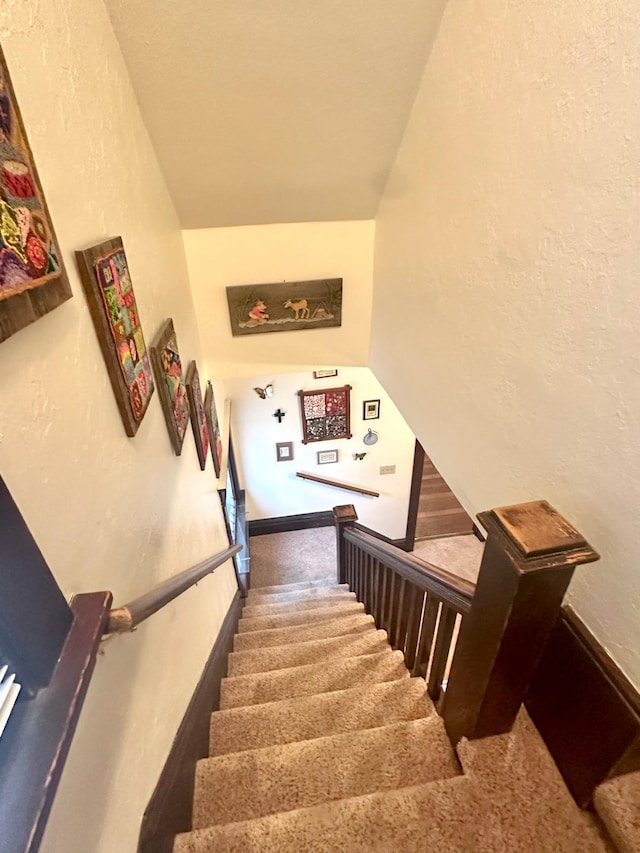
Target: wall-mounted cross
pixel 279 415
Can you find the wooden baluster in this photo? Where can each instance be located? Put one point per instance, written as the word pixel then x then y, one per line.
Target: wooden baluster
pixel 360 574
pixel 397 596
pixel 388 612
pixel 343 515
pixel 382 599
pixel 528 561
pixel 403 620
pixel 366 595
pixel 351 566
pixel 413 626
pixel 429 619
pixel 376 590
pixel 441 651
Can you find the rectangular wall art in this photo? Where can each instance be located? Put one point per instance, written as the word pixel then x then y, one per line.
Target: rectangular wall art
pixel 167 366
pixel 325 414
pixel 284 307
pixel 32 278
pixel 215 436
pixel 198 417
pixel 112 303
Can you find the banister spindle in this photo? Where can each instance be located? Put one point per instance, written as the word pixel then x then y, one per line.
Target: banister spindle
pixel 528 561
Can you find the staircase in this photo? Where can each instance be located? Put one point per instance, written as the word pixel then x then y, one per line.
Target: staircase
pixel 323 742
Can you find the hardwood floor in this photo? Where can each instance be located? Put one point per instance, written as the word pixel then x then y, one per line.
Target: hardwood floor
pixel 440 513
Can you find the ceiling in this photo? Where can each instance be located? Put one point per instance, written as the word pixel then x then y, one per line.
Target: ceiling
pixel 266 111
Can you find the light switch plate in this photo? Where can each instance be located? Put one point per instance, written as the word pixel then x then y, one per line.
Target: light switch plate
pixel 387 469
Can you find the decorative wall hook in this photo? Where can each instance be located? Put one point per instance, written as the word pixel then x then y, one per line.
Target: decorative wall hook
pixel 265 392
pixel 370 438
pixel 279 414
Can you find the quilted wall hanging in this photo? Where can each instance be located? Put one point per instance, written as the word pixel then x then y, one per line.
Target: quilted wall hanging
pixel 32 278
pixel 326 414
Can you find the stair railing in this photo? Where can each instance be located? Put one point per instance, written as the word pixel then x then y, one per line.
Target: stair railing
pixel 417 604
pixel 129 616
pixel 504 619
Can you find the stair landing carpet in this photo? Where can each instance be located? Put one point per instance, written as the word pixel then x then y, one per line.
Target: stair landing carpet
pixel 323 742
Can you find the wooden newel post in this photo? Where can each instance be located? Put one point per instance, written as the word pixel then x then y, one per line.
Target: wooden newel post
pixel 343 515
pixel 527 565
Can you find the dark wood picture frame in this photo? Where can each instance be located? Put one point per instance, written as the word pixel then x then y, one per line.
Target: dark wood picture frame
pixel 284 451
pixel 325 414
pixel 215 437
pixel 105 277
pixel 284 306
pixel 198 416
pixel 33 280
pixel 167 367
pixel 370 410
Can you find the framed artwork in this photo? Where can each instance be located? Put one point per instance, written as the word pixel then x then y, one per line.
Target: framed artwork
pixel 325 414
pixel 284 307
pixel 198 417
pixel 33 280
pixel 112 304
pixel 284 451
pixel 215 438
pixel 327 457
pixel 167 366
pixel 324 374
pixel 370 410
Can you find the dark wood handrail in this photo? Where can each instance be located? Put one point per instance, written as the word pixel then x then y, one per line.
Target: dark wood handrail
pixel 337 485
pixel 128 617
pixel 450 589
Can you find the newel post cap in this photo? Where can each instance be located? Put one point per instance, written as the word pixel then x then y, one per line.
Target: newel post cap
pixel 345 513
pixel 537 536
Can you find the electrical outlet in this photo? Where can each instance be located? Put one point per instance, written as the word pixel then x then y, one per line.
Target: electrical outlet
pixel 387 469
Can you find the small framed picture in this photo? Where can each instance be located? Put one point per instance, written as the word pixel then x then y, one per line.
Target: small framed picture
pixel 284 451
pixel 370 410
pixel 325 457
pixel 324 374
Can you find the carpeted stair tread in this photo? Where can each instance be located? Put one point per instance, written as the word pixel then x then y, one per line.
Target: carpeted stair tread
pixel 299 617
pixel 296 595
pixel 351 623
pixel 308 603
pixel 279 778
pixel 617 803
pixel 525 801
pixel 310 651
pixel 439 817
pixel 289 587
pixel 308 717
pixel 338 674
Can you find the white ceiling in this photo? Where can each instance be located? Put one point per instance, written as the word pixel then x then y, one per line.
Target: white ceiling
pixel 275 110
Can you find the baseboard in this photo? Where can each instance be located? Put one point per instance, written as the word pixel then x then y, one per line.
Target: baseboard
pixel 398 543
pixel 585 708
pixel 285 523
pixel 169 809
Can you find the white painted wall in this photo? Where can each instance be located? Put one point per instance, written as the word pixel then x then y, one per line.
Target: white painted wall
pixel 108 512
pixel 218 257
pixel 507 263
pixel 272 487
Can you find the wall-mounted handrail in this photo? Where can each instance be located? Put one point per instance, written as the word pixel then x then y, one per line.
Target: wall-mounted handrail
pixel 128 617
pixel 454 591
pixel 337 485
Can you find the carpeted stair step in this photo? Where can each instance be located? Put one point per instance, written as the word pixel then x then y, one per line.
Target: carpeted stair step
pixel 308 717
pixel 526 804
pixel 338 674
pixel 299 617
pixel 355 623
pixel 617 803
pixel 290 587
pixel 327 599
pixel 297 595
pixel 279 778
pixel 311 651
pixel 439 817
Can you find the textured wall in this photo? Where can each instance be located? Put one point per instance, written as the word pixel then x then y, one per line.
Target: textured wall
pixel 218 257
pixel 272 487
pixel 507 263
pixel 107 511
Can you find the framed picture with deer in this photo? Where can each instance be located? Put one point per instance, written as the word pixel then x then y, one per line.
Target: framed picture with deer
pixel 255 309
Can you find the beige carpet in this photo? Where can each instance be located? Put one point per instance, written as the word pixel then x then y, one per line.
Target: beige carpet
pixel 301 555
pixel 460 555
pixel 325 744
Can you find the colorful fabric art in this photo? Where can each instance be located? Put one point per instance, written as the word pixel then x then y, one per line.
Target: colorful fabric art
pixel 325 414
